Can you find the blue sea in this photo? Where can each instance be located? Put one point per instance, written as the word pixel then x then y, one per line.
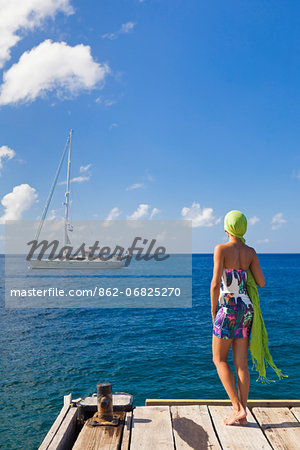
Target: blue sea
pixel 150 353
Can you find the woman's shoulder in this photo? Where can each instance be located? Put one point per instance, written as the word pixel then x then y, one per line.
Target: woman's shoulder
pixel 219 248
pixel 250 249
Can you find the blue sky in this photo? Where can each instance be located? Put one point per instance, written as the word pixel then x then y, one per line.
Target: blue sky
pixel 182 109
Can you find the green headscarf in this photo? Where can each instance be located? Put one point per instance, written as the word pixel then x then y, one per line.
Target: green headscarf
pixel 235 223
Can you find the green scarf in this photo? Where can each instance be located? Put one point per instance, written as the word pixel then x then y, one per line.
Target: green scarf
pixel 259 348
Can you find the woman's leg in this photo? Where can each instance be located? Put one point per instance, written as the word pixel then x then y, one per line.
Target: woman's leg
pixel 240 359
pixel 220 354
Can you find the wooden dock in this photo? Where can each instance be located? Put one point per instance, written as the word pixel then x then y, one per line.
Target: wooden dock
pixel 166 424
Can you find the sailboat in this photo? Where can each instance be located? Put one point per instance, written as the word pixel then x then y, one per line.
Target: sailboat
pixel 68 263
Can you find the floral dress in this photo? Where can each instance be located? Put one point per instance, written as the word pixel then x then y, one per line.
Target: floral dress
pixel 235 310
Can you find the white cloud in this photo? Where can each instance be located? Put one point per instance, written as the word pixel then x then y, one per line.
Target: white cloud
pixel 135 186
pixel 277 221
pixel 141 211
pixel 109 102
pixel 52 215
pixel 6 152
pixel 154 212
pixel 113 125
pixel 85 168
pixel 263 241
pixel 200 217
pixel 149 177
pixel 79 179
pixel 17 202
pixel 113 214
pixel 18 15
pixel 296 174
pixel 85 175
pixel 51 66
pixel 125 28
pixel 253 220
pixel 105 102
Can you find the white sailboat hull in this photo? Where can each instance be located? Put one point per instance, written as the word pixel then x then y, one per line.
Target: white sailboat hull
pixel 75 264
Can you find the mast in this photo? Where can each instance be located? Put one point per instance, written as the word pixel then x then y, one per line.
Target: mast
pixel 67 193
pixel 51 191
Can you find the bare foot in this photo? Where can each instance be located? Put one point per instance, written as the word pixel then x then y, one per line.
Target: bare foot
pixel 235 416
pixel 243 421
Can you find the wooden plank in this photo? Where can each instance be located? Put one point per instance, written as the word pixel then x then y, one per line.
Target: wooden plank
pixel 54 429
pixel 151 428
pixel 127 432
pixel 100 438
pixel 235 437
pixel 66 432
pixel 192 428
pixel 296 412
pixel 280 426
pixel 218 402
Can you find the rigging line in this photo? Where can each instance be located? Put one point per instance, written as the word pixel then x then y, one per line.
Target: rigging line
pixel 67 194
pixel 51 191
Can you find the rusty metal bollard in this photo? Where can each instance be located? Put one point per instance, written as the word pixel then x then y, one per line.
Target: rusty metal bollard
pixel 104 415
pixel 104 401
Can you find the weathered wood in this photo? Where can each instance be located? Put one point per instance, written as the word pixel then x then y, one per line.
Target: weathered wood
pixel 151 428
pixel 214 402
pixel 280 426
pixel 127 432
pixel 57 423
pixel 187 424
pixel 235 437
pixel 53 430
pixel 192 428
pixel 65 433
pixel 296 412
pixel 100 438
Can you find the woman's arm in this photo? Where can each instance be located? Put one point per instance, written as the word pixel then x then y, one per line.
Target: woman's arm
pixel 216 279
pixel 256 271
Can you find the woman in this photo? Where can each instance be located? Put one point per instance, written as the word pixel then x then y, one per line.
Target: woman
pixel 232 311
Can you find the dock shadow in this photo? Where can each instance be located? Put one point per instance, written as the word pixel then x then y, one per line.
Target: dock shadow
pixel 266 426
pixel 137 420
pixel 247 425
pixel 191 433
